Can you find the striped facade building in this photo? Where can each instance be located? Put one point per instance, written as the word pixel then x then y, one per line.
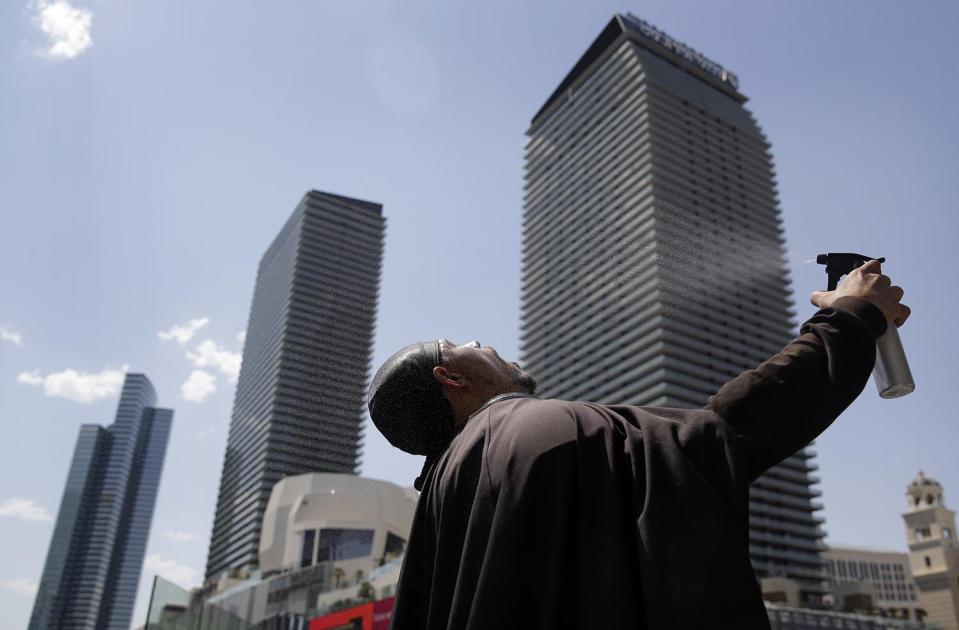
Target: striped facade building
pixel 653 254
pixel 299 404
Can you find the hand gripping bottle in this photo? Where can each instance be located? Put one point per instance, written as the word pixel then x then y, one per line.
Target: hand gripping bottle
pixel 892 374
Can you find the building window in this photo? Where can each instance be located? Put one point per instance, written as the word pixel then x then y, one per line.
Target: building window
pixel 306 553
pixel 928 561
pixel 344 544
pixel 394 546
pixel 946 532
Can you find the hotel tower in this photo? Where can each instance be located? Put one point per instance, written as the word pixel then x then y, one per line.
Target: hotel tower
pixel 653 254
pixel 299 404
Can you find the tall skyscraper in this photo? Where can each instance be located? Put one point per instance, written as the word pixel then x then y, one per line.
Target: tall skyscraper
pixel 653 259
pixel 93 565
pixel 300 396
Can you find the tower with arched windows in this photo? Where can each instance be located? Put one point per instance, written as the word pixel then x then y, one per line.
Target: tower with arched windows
pixel 933 551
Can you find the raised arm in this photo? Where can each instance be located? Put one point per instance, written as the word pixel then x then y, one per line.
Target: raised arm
pixel 781 406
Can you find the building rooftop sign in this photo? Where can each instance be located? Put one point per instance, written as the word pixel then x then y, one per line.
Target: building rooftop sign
pixel 650 32
pixel 644 34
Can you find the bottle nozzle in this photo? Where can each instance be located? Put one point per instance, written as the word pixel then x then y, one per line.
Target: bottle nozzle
pixel 839 264
pixel 892 374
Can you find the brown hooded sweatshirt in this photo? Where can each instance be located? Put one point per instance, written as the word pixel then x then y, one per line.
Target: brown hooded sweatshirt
pixel 550 514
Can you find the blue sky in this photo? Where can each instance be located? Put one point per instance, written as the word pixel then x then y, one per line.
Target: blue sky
pixel 150 151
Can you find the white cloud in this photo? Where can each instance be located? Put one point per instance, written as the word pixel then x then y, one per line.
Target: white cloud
pixel 183 334
pixel 67 28
pixel 169 570
pixel 178 537
pixel 208 354
pixel 77 386
pixel 10 335
pixel 241 336
pixel 20 586
pixel 200 385
pixel 30 378
pixel 24 510
pixel 205 433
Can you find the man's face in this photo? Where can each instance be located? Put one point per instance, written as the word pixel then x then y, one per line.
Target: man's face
pixel 485 368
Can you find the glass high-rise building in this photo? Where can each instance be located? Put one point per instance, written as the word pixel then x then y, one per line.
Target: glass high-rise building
pixel 93 566
pixel 299 403
pixel 653 254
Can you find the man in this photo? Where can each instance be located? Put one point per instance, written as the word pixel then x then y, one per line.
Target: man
pixel 553 514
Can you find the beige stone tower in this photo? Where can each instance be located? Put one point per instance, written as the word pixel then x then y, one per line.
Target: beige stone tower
pixel 933 551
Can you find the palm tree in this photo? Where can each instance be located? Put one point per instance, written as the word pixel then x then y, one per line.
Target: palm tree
pixel 366 592
pixel 338 575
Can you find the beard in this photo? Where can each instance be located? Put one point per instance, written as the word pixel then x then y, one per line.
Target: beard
pixel 525 380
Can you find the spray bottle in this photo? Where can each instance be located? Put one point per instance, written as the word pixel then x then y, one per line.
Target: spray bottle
pixel 892 374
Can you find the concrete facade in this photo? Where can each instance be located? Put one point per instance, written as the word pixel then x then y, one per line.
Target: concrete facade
pixel 781 591
pixel 314 502
pixel 789 618
pixel 301 565
pixel 882 576
pixel 933 551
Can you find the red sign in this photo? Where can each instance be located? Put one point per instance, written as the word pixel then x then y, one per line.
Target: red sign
pixel 356 618
pixel 382 612
pixel 371 616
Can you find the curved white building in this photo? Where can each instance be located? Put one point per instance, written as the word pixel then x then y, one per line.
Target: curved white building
pixel 350 521
pixel 320 532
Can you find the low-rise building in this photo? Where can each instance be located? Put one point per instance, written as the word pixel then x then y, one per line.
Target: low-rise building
pixel 322 533
pixel 872 580
pixel 787 618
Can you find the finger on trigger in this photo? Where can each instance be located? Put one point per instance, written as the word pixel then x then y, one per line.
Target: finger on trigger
pixel 904 312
